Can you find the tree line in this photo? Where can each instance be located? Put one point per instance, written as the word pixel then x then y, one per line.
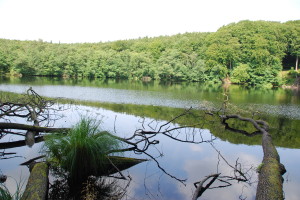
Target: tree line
pixel 247 52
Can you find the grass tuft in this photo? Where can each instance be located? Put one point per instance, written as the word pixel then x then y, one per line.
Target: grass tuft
pixel 82 152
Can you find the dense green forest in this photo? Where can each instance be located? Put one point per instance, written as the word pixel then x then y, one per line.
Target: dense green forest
pixel 247 52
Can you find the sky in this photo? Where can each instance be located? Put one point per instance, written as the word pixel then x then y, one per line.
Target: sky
pixel 72 21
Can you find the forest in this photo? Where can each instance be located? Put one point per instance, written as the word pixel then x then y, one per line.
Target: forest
pixel 248 52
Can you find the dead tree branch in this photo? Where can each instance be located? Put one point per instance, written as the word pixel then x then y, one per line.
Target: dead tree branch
pixel 30 108
pixel 26 127
pixel 200 188
pixel 20 143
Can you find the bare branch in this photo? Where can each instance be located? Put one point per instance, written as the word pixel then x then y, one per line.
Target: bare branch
pixel 20 143
pixel 200 188
pixel 17 126
pixel 32 160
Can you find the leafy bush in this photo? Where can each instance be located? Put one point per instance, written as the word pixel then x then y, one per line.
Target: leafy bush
pixel 240 74
pixel 293 73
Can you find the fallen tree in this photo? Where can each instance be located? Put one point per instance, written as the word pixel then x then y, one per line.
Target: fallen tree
pixel 271 170
pixel 37 185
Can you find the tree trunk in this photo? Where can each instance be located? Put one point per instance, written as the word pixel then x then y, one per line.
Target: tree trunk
pixel 297 63
pixel 37 185
pixel 270 173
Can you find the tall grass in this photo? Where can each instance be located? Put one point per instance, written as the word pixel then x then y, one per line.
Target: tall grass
pixel 6 195
pixel 82 152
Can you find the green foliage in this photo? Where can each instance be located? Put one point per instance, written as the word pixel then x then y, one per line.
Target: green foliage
pixel 4 65
pixel 293 73
pixel 82 151
pixel 293 35
pixel 289 77
pixel 215 72
pixel 261 45
pixel 204 57
pixel 240 74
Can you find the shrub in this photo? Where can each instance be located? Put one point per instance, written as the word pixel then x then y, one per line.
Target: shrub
pixel 293 73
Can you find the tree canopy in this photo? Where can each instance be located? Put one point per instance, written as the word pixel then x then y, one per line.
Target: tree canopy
pixel 249 52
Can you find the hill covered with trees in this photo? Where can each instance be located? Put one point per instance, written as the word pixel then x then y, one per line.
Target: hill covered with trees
pixel 247 52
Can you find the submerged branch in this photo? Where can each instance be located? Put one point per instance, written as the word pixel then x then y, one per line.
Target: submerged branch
pixel 200 188
pixel 20 143
pixel 26 127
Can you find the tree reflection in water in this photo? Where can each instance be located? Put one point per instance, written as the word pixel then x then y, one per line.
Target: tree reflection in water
pixel 91 187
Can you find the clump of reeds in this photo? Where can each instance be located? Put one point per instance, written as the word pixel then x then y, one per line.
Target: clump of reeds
pixel 5 194
pixel 82 151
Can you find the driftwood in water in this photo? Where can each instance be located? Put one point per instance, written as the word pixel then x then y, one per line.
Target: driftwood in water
pixel 271 170
pixel 26 127
pixel 32 108
pixel 115 164
pixel 32 131
pixel 37 185
pixel 20 143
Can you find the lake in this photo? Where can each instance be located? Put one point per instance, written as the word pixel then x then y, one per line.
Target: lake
pixel 125 106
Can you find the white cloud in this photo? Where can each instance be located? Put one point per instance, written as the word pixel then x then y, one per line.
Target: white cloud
pixel 99 20
pixel 196 148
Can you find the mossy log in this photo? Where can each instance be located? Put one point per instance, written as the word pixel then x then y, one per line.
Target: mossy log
pixel 271 170
pixel 37 185
pixel 270 174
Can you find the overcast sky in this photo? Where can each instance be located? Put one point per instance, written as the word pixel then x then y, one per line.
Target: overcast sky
pixel 72 21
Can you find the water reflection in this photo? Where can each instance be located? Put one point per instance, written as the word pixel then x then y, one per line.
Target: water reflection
pixel 182 160
pixel 277 102
pixel 208 165
pixel 111 95
pixel 93 188
pixel 189 161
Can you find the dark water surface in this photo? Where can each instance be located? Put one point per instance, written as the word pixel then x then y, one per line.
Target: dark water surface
pixel 127 102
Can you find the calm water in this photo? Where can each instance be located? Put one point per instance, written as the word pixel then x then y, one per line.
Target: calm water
pixel 185 161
